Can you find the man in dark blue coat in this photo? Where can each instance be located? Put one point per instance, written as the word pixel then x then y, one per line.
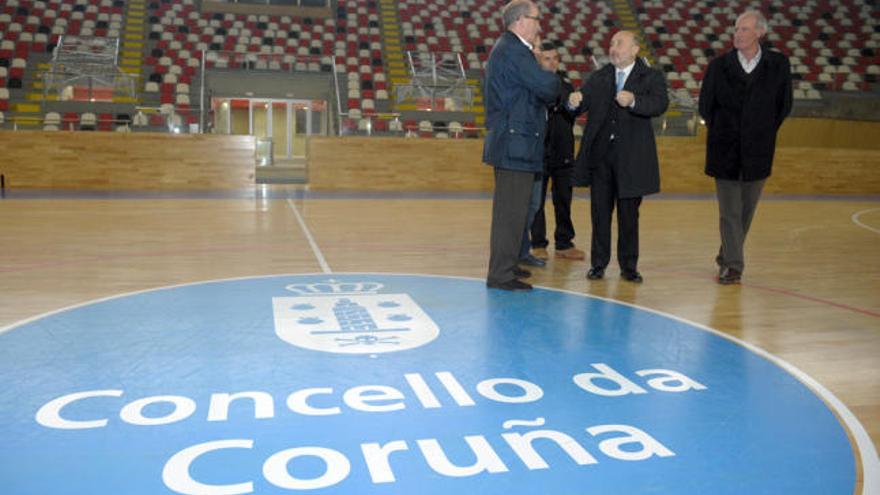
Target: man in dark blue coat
pixel 746 94
pixel 618 154
pixel 517 91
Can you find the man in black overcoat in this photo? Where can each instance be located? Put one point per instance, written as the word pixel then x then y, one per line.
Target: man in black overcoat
pixel 745 96
pixel 618 154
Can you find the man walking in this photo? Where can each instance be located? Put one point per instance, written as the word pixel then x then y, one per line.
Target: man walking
pixel 745 96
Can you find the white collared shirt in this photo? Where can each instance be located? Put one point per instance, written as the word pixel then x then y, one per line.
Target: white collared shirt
pixel 749 65
pixel 531 48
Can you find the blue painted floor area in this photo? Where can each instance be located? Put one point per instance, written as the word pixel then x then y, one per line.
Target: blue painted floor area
pixel 393 384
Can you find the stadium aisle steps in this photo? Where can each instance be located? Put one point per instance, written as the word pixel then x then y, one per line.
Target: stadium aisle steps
pixel 27 115
pixel 133 46
pixel 391 39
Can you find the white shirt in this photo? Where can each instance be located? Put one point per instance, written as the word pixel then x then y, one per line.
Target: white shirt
pixel 531 48
pixel 749 65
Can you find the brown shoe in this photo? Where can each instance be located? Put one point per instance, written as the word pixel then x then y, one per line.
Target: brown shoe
pixel 540 253
pixel 571 253
pixel 729 276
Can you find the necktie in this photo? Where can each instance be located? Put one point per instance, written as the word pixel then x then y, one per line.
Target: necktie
pixel 620 79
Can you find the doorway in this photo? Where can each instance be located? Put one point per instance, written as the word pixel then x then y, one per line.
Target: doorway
pixel 288 122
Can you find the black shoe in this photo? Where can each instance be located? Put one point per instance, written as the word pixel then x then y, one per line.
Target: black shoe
pixel 729 276
pixel 515 285
pixel 521 272
pixel 531 260
pixel 632 276
pixel 596 273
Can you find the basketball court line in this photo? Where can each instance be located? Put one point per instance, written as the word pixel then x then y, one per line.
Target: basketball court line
pixel 784 292
pixel 325 267
pixel 314 245
pixel 864 445
pixel 855 219
pixel 867 452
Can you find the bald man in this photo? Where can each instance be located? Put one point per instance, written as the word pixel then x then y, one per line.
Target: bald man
pixel 618 155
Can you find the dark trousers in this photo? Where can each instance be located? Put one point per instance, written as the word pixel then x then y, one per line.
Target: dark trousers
pixel 737 202
pixel 510 208
pixel 534 205
pixel 560 180
pixel 603 198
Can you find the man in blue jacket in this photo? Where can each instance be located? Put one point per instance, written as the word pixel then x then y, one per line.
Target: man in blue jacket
pixel 517 91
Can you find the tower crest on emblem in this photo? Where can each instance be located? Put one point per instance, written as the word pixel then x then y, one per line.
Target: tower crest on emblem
pixel 351 318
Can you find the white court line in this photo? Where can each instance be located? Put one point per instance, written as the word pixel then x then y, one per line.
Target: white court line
pixel 315 249
pixel 855 219
pixel 864 444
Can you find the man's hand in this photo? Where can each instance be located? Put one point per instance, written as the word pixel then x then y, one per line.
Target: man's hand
pixel 575 99
pixel 625 98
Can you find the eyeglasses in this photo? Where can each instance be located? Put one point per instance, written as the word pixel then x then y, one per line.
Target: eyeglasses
pixel 533 17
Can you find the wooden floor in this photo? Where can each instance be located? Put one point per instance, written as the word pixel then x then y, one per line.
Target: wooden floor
pixel 811 291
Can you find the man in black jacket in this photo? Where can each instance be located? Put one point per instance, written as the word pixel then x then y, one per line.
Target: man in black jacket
pixel 618 154
pixel 746 94
pixel 558 168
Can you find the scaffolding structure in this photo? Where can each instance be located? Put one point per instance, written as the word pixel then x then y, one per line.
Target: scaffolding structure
pixel 85 68
pixel 438 82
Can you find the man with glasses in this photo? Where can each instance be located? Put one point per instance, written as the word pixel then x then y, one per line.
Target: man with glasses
pixel 517 91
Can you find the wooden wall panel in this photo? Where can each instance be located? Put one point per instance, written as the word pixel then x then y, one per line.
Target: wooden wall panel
pixel 379 163
pixel 108 160
pixel 823 133
pixel 143 161
pixel 357 163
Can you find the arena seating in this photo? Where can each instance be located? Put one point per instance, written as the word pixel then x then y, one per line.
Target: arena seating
pixel 580 29
pixel 34 25
pixel 262 42
pixel 832 45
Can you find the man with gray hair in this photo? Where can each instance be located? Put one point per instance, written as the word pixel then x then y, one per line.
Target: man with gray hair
pixel 745 96
pixel 517 91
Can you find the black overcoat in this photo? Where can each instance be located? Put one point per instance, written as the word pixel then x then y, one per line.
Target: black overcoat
pixel 638 172
pixel 743 114
pixel 559 143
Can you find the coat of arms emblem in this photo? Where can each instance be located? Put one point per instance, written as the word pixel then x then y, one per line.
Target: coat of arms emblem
pixel 351 318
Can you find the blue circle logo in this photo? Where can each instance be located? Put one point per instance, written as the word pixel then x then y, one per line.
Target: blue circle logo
pixel 381 384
